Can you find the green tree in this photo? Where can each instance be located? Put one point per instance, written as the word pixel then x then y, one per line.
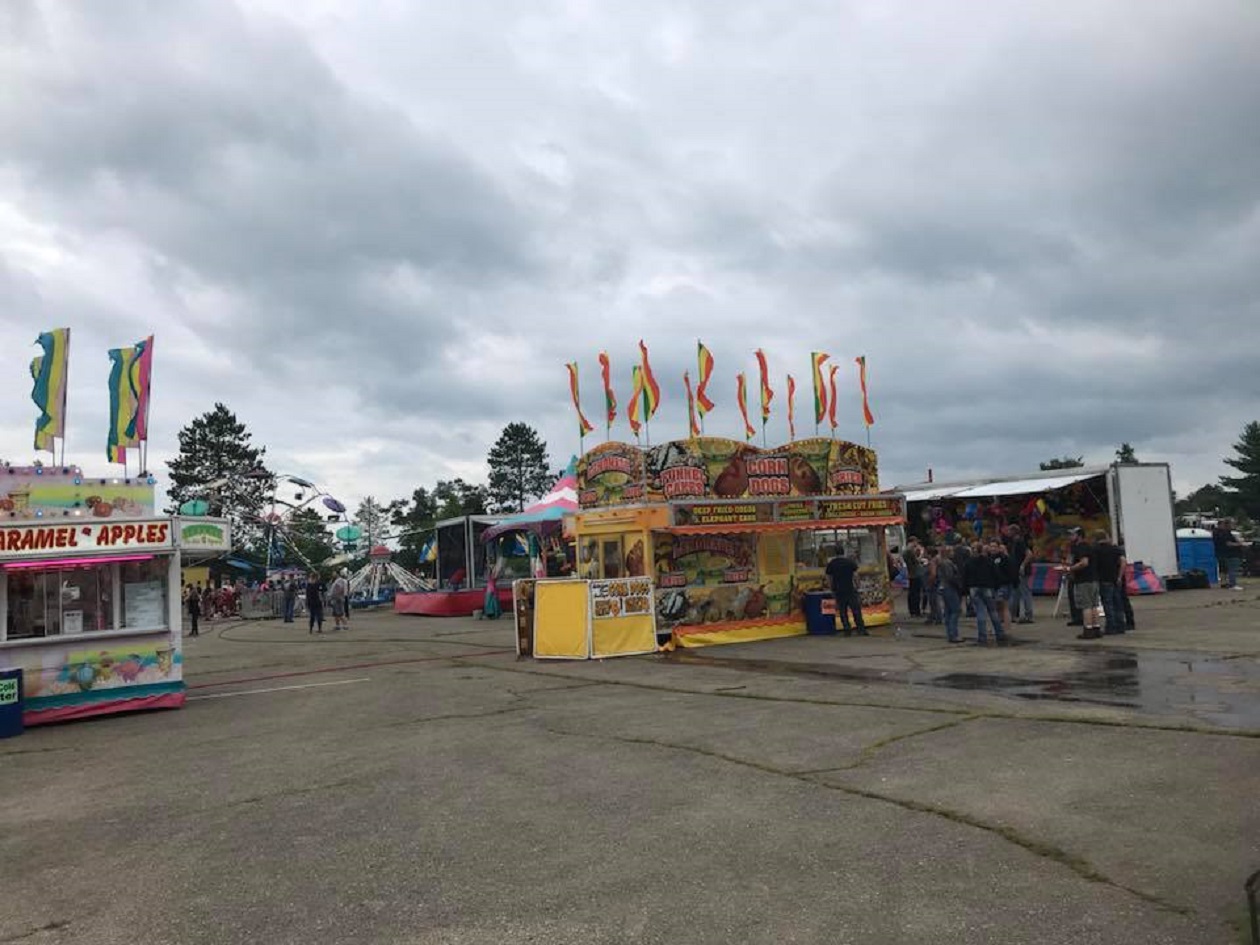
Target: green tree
pixel 307 534
pixel 1125 454
pixel 413 522
pixel 456 497
pixel 217 463
pixel 519 471
pixel 1244 490
pixel 1063 462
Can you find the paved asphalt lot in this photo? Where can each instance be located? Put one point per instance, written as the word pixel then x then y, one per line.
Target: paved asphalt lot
pixel 412 781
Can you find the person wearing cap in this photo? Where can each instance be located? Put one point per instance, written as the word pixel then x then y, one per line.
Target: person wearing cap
pixel 1074 543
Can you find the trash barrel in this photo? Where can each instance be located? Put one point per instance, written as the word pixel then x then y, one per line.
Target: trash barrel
pixel 820 612
pixel 10 702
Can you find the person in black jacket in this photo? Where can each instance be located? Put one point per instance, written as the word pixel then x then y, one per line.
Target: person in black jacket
pixel 315 602
pixel 981 580
pixel 1108 566
pixel 842 574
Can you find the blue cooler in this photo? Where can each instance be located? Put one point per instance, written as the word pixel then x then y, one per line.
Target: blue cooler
pixel 820 612
pixel 10 703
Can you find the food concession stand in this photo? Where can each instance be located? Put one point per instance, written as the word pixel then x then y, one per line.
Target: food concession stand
pixel 720 540
pixel 90 592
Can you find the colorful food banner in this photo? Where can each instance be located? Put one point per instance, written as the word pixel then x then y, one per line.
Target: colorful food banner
pixel 833 512
pixel 719 468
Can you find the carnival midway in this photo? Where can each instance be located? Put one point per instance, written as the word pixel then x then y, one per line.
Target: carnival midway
pixel 639 547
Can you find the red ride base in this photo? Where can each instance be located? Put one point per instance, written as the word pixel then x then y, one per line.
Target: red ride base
pixel 449 603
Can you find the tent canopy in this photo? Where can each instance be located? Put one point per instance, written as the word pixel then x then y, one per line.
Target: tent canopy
pixel 560 501
pixel 991 488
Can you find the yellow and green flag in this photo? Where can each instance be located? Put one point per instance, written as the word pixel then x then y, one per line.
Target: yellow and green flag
pixel 767 394
pixel 123 404
pixel 704 363
pixel 636 400
pixel 49 371
pixel 816 359
pixel 651 390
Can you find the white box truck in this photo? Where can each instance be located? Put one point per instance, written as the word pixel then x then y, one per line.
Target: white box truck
pixel 1140 498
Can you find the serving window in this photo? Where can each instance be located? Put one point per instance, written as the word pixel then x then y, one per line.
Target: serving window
pixel 55 599
pixel 815 548
pixel 612 556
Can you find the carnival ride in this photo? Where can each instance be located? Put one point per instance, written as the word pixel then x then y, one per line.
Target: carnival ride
pixel 376 581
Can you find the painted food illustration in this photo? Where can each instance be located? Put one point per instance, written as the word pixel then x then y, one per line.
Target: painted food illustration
pixel 634 559
pixel 733 480
pixel 804 477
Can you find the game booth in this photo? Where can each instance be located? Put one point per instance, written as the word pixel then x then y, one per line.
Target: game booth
pixel 90 591
pixel 705 541
pixel 459 556
pixel 1132 502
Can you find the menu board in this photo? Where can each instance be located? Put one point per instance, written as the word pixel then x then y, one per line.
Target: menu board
pixel 624 597
pixel 145 605
pixel 722 513
pixel 860 507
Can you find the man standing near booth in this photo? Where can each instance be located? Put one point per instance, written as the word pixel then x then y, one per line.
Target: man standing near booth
pixel 841 572
pixel 1108 566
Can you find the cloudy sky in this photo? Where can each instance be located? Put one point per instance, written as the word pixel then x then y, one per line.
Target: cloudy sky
pixel 378 231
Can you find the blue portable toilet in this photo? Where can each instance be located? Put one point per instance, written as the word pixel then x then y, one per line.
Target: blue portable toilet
pixel 1195 551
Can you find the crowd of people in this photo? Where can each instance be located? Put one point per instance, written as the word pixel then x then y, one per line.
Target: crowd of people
pixel 989 581
pixel 319 597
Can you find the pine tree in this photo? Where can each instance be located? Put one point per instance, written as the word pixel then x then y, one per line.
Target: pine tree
pixel 519 471
pixel 1244 490
pixel 371 518
pixel 1125 454
pixel 217 463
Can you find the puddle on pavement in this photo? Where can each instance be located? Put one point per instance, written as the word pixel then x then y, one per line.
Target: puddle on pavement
pixel 1221 692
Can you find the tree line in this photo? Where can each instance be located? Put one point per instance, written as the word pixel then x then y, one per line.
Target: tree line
pixel 218 464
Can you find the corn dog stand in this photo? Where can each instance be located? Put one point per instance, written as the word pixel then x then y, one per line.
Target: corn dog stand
pixel 718 541
pixel 90 592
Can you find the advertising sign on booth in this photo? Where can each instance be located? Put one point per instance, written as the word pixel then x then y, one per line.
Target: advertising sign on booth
pixel 65 539
pixel 718 468
pixel 204 535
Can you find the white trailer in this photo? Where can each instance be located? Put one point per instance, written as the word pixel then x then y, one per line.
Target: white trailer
pixel 1140 500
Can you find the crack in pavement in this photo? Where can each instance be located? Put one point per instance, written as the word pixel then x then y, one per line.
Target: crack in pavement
pixel 868 752
pixel 1047 851
pixel 53 926
pixel 421 720
pixel 271 795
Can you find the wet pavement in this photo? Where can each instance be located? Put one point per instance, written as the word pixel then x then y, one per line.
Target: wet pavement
pixel 1221 692
pixel 1181 666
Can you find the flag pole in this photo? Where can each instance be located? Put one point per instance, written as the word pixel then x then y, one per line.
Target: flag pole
pixel 65 393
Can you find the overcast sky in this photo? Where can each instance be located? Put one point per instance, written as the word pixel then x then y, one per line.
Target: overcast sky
pixel 377 231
